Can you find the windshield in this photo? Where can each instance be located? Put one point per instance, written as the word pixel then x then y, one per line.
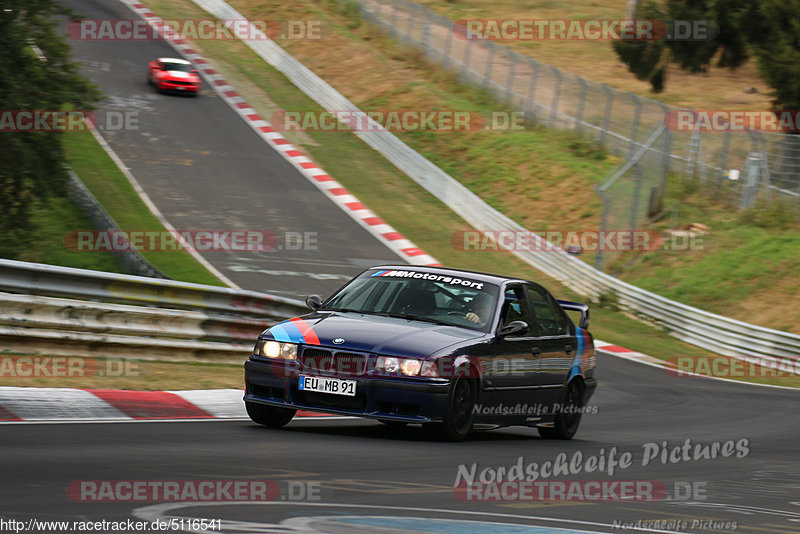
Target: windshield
pixel 432 297
pixel 183 67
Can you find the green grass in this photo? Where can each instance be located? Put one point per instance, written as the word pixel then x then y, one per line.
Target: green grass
pixel 746 267
pixel 115 193
pixel 51 221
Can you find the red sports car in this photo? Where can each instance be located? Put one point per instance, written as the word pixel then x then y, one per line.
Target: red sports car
pixel 170 74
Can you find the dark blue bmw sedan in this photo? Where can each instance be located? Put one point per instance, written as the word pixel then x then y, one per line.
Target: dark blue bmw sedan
pixel 453 350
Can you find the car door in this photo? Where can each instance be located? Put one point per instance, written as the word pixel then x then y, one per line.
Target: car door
pixel 512 360
pixel 556 341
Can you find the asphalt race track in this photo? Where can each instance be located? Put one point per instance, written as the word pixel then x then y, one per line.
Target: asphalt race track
pixel 205 169
pixel 201 165
pixel 350 472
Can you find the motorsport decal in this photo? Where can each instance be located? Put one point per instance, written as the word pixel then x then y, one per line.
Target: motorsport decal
pixel 431 277
pixel 294 331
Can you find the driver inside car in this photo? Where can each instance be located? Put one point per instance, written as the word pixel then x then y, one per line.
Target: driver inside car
pixel 481 309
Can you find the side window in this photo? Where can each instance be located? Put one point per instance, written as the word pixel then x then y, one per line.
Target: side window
pixel 549 314
pixel 516 308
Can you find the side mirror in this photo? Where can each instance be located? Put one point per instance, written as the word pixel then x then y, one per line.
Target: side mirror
pixel 314 302
pixel 514 327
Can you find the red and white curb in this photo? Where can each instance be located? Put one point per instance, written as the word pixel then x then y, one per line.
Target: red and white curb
pixel 627 354
pixel 335 191
pixel 31 404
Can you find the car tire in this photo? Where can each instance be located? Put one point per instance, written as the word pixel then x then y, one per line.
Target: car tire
pixel 566 424
pixel 271 416
pixel 460 413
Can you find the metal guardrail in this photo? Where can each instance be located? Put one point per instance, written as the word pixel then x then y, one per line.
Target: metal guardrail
pixel 130 316
pixel 710 331
pixel 41 279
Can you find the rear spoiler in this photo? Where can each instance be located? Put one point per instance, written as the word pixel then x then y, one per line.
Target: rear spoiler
pixel 578 307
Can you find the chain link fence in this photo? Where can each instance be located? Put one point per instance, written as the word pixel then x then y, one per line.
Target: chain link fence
pixel 620 121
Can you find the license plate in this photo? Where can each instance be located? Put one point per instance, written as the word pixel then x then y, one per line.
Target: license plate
pixel 320 384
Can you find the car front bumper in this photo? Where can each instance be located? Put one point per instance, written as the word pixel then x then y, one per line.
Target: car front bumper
pixel 411 400
pixel 167 85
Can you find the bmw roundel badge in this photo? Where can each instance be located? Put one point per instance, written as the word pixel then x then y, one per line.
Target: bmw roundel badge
pixel 338 340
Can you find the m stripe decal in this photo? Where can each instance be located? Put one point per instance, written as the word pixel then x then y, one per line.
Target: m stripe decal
pixel 308 334
pixel 294 331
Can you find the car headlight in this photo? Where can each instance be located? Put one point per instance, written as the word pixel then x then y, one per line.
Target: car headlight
pixel 405 366
pixel 277 350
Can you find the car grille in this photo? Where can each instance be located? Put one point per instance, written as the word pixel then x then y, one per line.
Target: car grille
pixel 334 363
pixel 181 82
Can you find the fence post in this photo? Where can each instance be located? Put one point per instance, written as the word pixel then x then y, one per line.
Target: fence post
pixel 598 258
pixel 556 94
pixel 426 36
pixel 487 74
pixel 665 159
pixel 637 190
pixel 723 156
pixel 393 18
pixel 635 126
pixel 606 114
pixel 447 44
pixel 752 174
pixel 410 26
pixel 581 103
pixel 532 86
pixel 691 159
pixel 465 59
pixel 512 61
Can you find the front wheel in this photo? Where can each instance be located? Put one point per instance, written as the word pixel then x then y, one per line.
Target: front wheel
pixel 271 416
pixel 568 417
pixel 460 412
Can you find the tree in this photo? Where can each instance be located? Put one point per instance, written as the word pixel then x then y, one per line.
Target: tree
pixel 773 31
pixel 32 163
pixel 725 19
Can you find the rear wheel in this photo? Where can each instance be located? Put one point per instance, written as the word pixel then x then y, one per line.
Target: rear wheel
pixel 569 415
pixel 271 416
